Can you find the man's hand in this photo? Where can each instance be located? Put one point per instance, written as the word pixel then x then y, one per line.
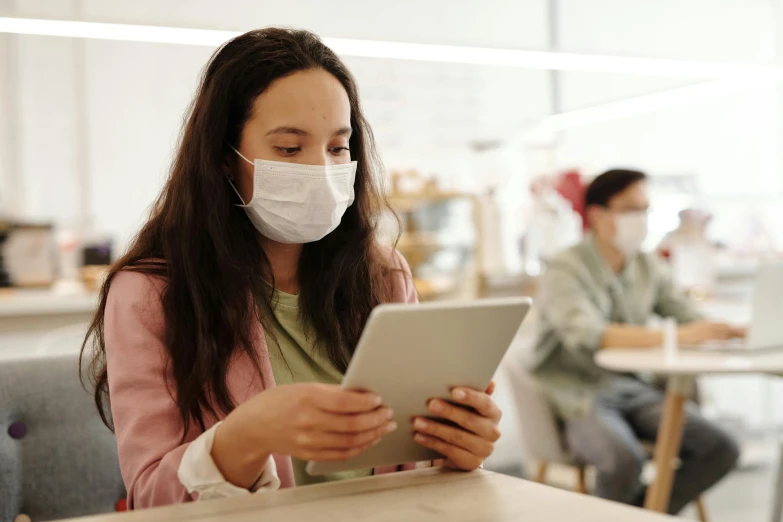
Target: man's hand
pixel 703 331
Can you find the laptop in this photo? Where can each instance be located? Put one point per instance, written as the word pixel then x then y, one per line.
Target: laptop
pixel 765 332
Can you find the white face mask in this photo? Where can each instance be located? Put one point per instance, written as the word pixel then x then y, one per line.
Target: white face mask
pixel 630 231
pixel 295 203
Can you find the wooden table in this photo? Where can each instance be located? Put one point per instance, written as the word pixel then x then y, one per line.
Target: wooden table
pixel 681 370
pixel 421 495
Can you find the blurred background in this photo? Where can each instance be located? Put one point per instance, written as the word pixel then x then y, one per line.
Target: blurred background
pixel 486 151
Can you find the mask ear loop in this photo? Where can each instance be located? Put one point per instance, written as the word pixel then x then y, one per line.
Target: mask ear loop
pixel 237 193
pixel 240 154
pixel 231 182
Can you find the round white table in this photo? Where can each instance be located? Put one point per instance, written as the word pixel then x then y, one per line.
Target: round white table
pixel 681 369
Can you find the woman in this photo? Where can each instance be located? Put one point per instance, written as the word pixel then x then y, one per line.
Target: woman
pixel 223 333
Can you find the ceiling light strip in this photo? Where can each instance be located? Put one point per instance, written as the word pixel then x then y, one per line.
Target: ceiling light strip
pixel 405 51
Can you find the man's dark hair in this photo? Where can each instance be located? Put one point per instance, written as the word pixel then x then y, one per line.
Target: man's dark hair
pixel 609 184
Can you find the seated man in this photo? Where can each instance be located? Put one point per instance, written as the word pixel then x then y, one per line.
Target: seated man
pixel 598 296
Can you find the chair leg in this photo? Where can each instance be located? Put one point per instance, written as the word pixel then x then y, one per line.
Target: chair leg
pixel 702 509
pixel 541 472
pixel 580 485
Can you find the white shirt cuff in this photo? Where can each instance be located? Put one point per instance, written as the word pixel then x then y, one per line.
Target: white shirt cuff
pixel 199 474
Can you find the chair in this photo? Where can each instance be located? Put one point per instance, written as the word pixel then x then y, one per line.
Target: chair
pixel 541 436
pixel 777 503
pixel 57 459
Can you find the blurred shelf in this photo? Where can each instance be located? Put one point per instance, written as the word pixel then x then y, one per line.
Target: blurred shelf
pixel 427 241
pixel 26 303
pixel 421 242
pixel 505 285
pixel 433 288
pixel 402 202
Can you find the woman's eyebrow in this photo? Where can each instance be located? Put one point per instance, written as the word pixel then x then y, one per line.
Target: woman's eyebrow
pixel 343 131
pixel 288 130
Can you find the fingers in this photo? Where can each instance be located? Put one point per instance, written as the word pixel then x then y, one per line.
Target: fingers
pixel 709 331
pixel 481 402
pixel 461 458
pixel 727 331
pixel 733 332
pixel 739 332
pixel 317 420
pixel 334 400
pixel 455 436
pixel 484 427
pixel 491 388
pixel 722 331
pixel 319 440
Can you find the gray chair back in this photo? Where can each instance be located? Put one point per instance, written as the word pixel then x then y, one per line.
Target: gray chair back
pixel 57 459
pixel 541 436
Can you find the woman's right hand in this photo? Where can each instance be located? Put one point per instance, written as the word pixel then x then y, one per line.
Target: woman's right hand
pixel 306 421
pixel 317 421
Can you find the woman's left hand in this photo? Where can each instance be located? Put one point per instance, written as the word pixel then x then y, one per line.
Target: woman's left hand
pixel 465 447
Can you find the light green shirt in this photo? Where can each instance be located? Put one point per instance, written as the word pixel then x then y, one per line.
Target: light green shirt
pixel 295 359
pixel 579 296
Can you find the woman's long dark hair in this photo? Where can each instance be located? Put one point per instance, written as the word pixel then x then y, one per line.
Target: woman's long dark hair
pixel 209 254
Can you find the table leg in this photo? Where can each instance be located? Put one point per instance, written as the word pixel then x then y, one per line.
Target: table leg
pixel 777 503
pixel 667 445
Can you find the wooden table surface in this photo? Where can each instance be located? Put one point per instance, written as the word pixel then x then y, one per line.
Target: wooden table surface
pixel 421 495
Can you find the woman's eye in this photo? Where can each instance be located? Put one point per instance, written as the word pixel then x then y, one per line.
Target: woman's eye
pixel 339 150
pixel 288 151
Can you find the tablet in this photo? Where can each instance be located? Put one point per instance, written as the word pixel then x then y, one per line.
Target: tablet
pixel 409 354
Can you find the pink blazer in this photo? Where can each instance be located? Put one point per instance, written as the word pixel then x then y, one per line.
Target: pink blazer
pixel 146 418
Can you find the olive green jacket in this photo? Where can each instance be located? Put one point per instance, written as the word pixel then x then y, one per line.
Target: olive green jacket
pixel 579 297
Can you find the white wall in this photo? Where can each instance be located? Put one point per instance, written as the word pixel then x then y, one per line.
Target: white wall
pixel 722 140
pixel 46 128
pixel 9 180
pixel 138 94
pixel 8 142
